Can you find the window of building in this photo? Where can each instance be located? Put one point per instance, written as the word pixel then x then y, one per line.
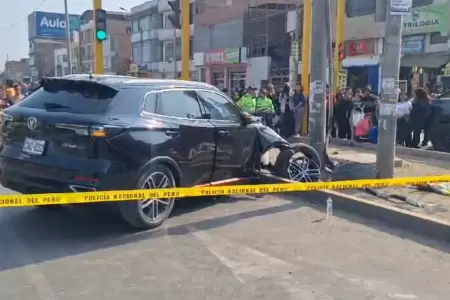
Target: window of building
pixel 168 50
pixel 179 104
pixel 156 51
pixel 156 21
pixel 437 38
pixel 136 53
pixel 167 24
pixel 146 52
pixel 258 45
pixel 144 23
pixel 65 58
pixel 135 26
pixel 89 35
pixel 90 52
pixel 358 8
pixel 417 3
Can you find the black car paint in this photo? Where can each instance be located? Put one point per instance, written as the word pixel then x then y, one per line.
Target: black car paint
pixel 197 151
pixel 440 128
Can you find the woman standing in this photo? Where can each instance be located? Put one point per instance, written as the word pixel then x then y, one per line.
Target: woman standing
pixel 286 109
pixel 403 127
pixel 298 101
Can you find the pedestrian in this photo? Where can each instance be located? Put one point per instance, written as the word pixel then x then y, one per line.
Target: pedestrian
pixel 264 108
pixel 18 96
pixel 299 103
pixel 248 102
pixel 286 106
pixel 342 116
pixel 403 116
pixel 420 113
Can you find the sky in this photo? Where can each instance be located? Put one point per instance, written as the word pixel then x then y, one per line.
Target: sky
pixel 14 23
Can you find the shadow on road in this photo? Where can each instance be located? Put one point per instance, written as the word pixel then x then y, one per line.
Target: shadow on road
pixel 50 235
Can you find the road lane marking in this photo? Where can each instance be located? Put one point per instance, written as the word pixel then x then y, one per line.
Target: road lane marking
pixel 248 264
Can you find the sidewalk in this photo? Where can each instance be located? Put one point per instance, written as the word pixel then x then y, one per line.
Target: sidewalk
pixel 357 163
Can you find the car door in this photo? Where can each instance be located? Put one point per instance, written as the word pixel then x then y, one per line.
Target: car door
pixel 235 141
pixel 192 138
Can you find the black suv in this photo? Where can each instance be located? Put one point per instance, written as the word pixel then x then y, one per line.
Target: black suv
pixel 86 133
pixel 440 128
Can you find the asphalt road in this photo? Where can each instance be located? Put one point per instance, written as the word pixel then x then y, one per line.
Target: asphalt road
pixel 228 248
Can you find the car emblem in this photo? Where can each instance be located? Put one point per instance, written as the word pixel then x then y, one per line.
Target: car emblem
pixel 32 122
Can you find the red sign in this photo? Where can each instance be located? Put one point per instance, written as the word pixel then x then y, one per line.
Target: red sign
pixel 216 57
pixel 360 47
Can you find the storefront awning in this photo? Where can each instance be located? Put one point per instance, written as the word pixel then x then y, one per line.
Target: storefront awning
pixel 425 60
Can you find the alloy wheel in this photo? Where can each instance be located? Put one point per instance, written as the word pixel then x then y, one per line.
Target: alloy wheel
pixel 155 209
pixel 303 169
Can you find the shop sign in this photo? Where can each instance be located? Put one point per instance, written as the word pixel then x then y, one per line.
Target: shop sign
pixel 430 18
pixel 413 44
pixel 224 56
pixel 232 55
pixel 360 47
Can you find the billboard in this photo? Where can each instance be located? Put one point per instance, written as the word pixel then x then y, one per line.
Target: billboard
pixel 53 25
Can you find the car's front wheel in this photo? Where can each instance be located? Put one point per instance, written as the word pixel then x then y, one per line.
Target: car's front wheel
pixel 303 165
pixel 150 213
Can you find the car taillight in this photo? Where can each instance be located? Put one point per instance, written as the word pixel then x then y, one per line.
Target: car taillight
pixel 93 131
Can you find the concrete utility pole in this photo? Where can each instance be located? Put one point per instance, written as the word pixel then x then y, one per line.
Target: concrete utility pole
pixel 295 43
pixel 69 42
pixel 390 66
pixel 317 116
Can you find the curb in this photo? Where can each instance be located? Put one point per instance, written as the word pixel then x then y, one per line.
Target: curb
pixel 398 150
pixel 412 222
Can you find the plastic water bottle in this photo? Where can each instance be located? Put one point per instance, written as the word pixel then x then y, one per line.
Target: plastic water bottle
pixel 329 208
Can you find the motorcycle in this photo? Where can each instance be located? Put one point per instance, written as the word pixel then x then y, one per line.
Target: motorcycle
pixel 295 161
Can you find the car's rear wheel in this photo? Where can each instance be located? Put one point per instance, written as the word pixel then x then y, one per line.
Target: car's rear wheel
pixel 302 166
pixel 150 213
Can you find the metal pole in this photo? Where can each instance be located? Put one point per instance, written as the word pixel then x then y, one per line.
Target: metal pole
pixel 175 53
pixel 317 116
pixel 340 37
pixel 69 42
pixel 185 40
pixel 387 124
pixel 306 58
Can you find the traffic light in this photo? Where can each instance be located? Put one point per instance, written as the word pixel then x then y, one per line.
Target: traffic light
pixel 100 25
pixel 175 18
pixel 341 50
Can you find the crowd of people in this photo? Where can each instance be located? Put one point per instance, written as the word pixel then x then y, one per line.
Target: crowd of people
pixel 13 92
pixel 354 112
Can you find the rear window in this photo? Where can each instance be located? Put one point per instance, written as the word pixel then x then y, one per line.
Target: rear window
pixel 70 96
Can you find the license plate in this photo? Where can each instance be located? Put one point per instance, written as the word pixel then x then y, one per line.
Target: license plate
pixel 32 146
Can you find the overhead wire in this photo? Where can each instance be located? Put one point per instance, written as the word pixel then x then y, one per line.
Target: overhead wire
pixel 25 18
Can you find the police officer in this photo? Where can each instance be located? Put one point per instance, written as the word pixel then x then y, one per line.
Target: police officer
pixel 248 102
pixel 264 108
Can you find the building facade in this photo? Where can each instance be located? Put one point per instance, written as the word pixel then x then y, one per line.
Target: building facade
pixel 116 49
pixel 218 48
pixel 156 44
pixel 18 70
pixel 425 47
pixel 46 33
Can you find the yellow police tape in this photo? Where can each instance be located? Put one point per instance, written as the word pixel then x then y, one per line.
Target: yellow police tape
pixel 113 196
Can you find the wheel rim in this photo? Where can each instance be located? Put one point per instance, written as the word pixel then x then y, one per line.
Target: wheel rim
pixel 303 169
pixel 155 209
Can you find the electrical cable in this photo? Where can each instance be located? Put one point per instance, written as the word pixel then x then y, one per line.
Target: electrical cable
pixel 25 18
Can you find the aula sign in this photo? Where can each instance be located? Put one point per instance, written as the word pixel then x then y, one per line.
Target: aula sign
pixel 53 25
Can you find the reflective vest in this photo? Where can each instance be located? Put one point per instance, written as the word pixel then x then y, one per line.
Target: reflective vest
pixel 264 105
pixel 247 103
